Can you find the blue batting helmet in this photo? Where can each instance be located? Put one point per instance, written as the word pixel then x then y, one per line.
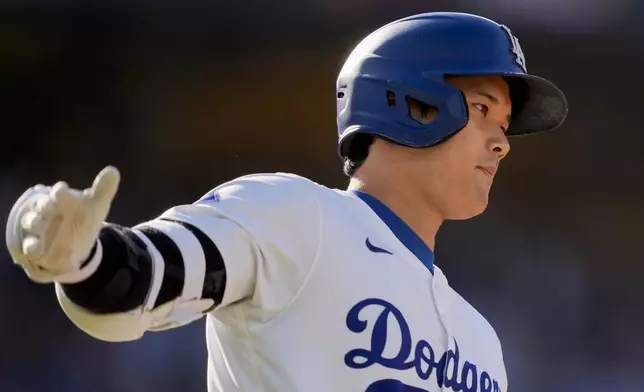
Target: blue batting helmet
pixel 411 57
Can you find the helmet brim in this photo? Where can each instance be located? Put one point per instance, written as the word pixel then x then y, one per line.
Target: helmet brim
pixel 541 106
pixel 538 104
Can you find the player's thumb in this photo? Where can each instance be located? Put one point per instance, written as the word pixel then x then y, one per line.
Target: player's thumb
pixel 104 187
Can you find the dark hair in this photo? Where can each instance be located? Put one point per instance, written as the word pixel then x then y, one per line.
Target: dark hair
pixel 357 154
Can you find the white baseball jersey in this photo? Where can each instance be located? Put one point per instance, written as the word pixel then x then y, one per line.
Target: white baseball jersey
pixel 328 290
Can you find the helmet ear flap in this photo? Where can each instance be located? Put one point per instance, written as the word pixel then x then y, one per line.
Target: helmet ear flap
pixel 415 112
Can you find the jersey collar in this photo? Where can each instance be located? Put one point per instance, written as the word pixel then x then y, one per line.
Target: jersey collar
pixel 401 230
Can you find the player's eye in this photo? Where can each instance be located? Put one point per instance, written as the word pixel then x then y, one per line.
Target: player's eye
pixel 481 108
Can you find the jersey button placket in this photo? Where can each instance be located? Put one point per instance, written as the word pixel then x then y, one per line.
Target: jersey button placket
pixel 438 287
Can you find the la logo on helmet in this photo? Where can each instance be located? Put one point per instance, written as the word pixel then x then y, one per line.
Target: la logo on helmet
pixel 519 57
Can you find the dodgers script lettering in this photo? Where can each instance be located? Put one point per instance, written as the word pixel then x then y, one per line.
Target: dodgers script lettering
pixel 448 370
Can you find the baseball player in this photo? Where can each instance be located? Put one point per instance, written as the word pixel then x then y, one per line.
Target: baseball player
pixel 307 288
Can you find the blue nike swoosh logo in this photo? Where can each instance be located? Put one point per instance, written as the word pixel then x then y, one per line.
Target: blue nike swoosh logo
pixel 376 249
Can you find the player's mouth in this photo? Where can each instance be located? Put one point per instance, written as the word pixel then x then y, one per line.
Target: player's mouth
pixel 489 170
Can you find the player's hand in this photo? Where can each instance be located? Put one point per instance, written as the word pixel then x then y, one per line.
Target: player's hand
pixel 51 231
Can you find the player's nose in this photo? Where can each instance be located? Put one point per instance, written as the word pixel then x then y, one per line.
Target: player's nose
pixel 499 145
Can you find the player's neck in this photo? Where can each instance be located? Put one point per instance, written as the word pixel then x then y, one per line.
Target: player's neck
pixel 408 205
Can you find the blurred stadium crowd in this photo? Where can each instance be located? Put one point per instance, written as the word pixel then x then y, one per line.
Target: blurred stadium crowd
pixel 184 96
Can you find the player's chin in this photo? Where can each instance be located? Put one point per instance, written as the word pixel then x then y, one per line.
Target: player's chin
pixel 470 208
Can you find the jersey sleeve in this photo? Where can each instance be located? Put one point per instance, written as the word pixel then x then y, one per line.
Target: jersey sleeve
pixel 252 240
pixel 266 227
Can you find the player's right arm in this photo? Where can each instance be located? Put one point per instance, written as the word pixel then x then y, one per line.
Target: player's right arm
pixel 116 283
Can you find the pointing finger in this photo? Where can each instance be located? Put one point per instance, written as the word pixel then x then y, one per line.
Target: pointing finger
pixel 105 185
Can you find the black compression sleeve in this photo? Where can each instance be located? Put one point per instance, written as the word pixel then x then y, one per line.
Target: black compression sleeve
pixel 215 279
pixel 122 280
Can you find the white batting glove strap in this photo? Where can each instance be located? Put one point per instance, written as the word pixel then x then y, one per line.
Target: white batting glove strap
pixel 86 270
pixel 52 230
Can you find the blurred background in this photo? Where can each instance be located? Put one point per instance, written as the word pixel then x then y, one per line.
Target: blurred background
pixel 182 96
